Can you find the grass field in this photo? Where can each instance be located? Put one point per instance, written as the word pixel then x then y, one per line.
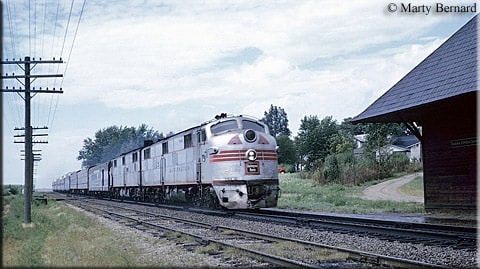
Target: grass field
pixel 414 187
pixel 305 194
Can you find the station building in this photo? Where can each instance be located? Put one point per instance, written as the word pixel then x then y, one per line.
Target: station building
pixel 440 95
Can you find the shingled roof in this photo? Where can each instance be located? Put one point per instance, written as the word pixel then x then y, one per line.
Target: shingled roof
pixel 451 70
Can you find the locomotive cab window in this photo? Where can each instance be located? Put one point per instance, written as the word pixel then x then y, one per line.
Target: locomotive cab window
pixel 224 126
pixel 247 124
pixel 202 136
pixel 164 147
pixel 134 156
pixel 187 141
pixel 146 154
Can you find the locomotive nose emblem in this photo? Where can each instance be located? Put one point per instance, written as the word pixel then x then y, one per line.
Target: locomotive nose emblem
pixel 251 155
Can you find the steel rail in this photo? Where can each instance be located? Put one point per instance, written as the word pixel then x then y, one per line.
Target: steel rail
pixel 356 255
pixel 431 234
pixel 277 260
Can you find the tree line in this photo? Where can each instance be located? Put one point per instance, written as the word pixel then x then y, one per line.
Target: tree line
pixel 323 149
pixel 110 142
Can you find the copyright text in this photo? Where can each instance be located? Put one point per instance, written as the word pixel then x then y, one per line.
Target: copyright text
pixel 411 8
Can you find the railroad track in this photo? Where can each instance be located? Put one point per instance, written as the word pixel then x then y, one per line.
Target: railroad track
pixel 457 237
pixel 276 250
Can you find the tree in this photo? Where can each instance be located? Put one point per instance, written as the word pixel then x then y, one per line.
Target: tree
pixel 112 141
pixel 380 135
pixel 317 139
pixel 344 140
pixel 286 150
pixel 306 140
pixel 277 121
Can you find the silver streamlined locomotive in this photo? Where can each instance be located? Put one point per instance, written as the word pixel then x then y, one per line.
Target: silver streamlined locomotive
pixel 229 162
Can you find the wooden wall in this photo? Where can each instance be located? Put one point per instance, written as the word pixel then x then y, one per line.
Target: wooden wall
pixel 450 155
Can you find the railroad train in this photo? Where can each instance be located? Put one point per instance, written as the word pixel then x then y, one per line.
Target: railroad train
pixel 228 162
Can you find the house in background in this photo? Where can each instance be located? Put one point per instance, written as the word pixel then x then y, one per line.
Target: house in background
pixel 409 145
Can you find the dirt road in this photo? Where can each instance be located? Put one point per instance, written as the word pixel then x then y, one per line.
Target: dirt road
pixel 388 190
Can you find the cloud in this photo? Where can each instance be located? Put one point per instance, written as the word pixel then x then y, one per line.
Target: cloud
pixel 173 53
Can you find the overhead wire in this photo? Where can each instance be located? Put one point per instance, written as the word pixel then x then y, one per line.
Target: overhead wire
pixel 11 100
pixel 61 55
pixel 10 26
pixel 68 60
pixel 43 25
pixel 58 67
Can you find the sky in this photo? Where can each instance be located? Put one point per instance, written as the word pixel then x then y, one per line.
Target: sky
pixel 175 64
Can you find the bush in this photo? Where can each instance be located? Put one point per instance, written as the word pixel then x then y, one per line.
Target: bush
pixel 331 170
pixel 11 190
pixel 348 170
pixel 14 190
pixel 397 162
pixel 415 166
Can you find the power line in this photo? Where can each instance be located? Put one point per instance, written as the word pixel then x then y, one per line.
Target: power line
pixel 66 29
pixel 74 37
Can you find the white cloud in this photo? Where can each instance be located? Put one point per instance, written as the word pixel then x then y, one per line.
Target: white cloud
pixel 162 58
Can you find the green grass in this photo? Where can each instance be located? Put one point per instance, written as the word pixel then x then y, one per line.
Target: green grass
pixel 64 237
pixel 58 237
pixel 414 187
pixel 304 194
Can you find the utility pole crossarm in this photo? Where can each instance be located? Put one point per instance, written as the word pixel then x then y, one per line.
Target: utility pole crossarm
pixel 33 91
pixel 33 61
pixel 32 76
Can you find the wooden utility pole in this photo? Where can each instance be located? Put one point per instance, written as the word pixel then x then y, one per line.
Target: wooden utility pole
pixel 28 65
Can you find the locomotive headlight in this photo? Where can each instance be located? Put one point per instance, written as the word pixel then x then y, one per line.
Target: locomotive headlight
pixel 251 155
pixel 250 135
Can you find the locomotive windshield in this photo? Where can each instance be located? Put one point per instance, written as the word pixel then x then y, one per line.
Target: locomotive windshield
pixel 247 124
pixel 224 126
pixel 232 125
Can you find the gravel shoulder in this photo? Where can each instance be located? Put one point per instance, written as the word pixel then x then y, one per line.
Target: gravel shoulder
pixel 389 190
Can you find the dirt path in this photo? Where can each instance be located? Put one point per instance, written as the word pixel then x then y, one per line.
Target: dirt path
pixel 388 190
